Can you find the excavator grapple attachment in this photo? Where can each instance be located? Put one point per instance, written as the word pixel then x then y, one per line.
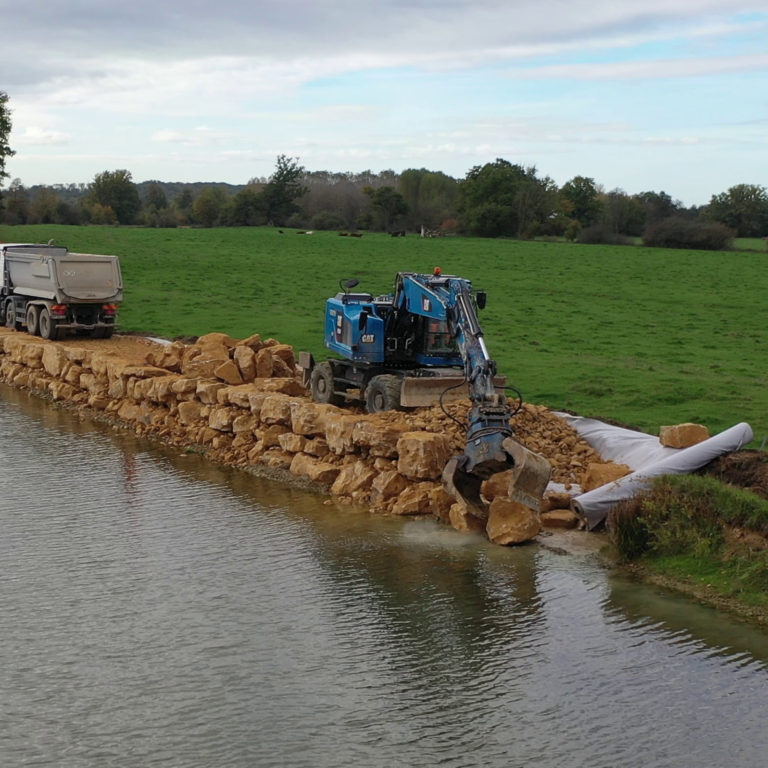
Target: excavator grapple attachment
pixel 464 487
pixel 530 475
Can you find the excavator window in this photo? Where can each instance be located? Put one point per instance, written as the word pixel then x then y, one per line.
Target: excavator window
pixel 438 340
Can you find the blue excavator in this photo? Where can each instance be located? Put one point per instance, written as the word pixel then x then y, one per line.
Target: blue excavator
pixel 422 345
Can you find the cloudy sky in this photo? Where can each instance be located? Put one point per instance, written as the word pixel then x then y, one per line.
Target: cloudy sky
pixel 657 95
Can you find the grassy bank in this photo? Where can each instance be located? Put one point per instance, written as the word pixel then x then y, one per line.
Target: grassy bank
pixel 698 535
pixel 642 336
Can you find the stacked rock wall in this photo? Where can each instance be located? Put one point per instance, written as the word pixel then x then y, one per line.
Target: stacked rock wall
pixel 242 404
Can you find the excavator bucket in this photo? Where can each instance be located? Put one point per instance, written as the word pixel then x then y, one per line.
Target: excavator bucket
pixel 530 475
pixel 464 487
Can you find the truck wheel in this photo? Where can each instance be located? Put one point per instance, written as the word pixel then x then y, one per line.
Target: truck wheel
pixel 32 320
pixel 383 393
pixel 321 385
pixel 10 316
pixel 47 325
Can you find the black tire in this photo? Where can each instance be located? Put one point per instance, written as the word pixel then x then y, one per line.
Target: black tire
pixel 47 325
pixel 102 332
pixel 10 316
pixel 383 394
pixel 321 385
pixel 32 317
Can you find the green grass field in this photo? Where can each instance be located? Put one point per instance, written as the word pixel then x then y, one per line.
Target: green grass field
pixel 641 336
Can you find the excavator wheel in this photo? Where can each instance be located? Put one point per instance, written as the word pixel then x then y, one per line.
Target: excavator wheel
pixel 383 393
pixel 321 385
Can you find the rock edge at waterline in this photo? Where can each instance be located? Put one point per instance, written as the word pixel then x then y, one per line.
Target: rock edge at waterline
pixel 242 404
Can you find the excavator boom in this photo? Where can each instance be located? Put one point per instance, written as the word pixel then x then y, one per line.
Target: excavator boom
pixel 408 349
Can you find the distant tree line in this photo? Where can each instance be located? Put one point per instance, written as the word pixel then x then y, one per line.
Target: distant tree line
pixel 498 199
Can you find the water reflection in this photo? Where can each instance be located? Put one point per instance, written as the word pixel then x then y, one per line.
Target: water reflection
pixel 160 610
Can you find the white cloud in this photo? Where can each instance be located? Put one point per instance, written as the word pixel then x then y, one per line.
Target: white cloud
pixel 33 136
pixel 655 69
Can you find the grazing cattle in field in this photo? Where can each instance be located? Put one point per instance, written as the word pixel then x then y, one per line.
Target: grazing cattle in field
pixel 398 233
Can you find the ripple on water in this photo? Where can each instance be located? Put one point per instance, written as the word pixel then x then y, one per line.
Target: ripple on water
pixel 161 611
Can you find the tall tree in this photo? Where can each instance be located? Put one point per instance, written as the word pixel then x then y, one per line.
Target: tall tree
pixel 156 197
pixel 581 198
pixel 282 190
pixel 388 204
pixel 209 205
pixel 622 214
pixel 17 204
pixel 116 190
pixel 183 203
pixel 658 206
pixel 743 208
pixel 5 133
pixel 500 199
pixel 431 196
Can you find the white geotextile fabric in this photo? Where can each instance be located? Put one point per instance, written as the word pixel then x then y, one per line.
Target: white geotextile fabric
pixel 647 457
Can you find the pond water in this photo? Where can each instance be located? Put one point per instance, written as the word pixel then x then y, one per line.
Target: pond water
pixel 160 611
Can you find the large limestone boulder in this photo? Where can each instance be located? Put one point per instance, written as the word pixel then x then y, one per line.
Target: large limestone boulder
pixel 311 467
pixel 276 409
pixel 190 411
pixel 352 478
pixel 269 436
pixel 310 419
pixel 254 342
pixel 207 391
pixel 185 388
pixel 560 518
pixel 202 366
pixel 245 359
pixel 292 443
pixel 338 433
pixel 285 353
pixel 215 340
pixel 416 499
pixel 54 359
pixel 497 485
pixel 245 423
pixel 283 385
pixel 422 455
pixel 160 390
pixel 378 438
pixel 229 373
pixel 510 522
pixel 387 485
pixel 221 418
pixel 264 363
pixel 683 435
pixel 168 356
pixel 461 519
pixel 599 474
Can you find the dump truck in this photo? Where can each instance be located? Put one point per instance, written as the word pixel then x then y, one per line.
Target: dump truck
pixel 48 291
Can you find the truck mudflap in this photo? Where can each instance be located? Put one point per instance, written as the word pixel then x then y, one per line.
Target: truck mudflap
pixel 424 391
pixel 530 476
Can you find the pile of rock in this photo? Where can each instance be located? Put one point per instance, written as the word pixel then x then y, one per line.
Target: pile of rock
pixel 241 401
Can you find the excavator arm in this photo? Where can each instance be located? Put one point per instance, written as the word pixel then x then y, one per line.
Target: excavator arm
pixel 490 447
